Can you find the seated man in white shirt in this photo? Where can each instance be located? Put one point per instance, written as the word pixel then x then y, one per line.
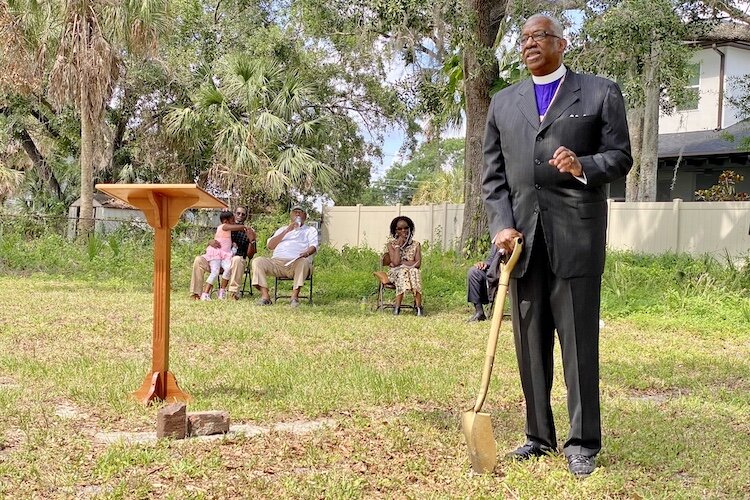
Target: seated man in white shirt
pixel 292 246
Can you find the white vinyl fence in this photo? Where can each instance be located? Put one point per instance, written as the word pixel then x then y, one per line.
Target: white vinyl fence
pixel 696 228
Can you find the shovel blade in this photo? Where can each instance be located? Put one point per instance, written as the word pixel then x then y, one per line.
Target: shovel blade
pixel 477 429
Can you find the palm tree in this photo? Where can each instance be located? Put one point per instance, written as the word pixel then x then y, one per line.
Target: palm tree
pixel 265 124
pixel 88 64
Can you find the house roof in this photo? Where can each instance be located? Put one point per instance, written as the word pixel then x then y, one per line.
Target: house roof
pixel 705 142
pixel 106 201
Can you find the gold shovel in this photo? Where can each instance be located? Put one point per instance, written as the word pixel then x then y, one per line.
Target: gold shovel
pixel 477 427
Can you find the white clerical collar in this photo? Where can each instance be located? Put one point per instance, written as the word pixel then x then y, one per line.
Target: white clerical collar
pixel 552 77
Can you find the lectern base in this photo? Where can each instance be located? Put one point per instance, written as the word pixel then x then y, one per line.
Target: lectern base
pixel 161 386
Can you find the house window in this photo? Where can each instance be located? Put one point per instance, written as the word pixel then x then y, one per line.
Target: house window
pixel 693 88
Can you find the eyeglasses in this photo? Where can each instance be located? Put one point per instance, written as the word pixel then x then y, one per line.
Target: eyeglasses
pixel 538 36
pixel 240 213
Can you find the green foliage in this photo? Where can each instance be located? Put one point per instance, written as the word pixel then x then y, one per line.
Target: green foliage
pixel 445 186
pixel 689 290
pixel 739 95
pixel 94 245
pixel 511 70
pixel 198 44
pixel 617 39
pixel 724 190
pixel 435 171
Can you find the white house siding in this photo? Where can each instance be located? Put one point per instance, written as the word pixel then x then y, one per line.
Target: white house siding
pixel 705 117
pixel 737 65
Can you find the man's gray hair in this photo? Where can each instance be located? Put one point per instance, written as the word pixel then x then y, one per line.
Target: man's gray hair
pixel 557 27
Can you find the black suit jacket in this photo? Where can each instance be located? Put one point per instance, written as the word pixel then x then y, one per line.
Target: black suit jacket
pixel 519 185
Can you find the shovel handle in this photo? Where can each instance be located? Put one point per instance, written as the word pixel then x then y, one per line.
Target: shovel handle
pixel 497 318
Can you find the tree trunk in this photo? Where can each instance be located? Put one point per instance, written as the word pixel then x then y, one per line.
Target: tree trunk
pixel 40 164
pixel 650 151
pixel 478 80
pixel 635 126
pixel 88 139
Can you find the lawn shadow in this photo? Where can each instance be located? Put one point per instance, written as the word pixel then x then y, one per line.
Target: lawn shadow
pixel 208 391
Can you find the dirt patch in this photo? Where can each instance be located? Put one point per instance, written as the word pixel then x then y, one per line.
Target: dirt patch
pixel 69 411
pixel 299 427
pixel 657 396
pixel 8 383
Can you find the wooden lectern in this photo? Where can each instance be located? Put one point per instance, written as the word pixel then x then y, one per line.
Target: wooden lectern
pixel 162 204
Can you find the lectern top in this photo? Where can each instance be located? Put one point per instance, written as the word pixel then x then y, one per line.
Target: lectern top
pixel 127 192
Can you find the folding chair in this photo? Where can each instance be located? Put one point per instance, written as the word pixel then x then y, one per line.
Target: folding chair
pixel 247 282
pixel 309 278
pixel 384 283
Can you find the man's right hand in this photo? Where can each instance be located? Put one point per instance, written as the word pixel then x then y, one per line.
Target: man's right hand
pixel 481 266
pixel 214 244
pixel 291 227
pixel 505 240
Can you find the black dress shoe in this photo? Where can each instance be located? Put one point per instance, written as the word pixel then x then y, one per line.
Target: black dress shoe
pixel 530 450
pixel 396 311
pixel 478 317
pixel 419 311
pixel 581 466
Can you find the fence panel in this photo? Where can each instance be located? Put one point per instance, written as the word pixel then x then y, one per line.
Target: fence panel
pixel 716 228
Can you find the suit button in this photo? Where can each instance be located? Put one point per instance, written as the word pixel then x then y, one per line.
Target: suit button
pixel 539 138
pixel 536 211
pixel 537 161
pixel 537 186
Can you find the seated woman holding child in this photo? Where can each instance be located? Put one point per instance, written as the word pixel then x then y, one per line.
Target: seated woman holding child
pixel 405 260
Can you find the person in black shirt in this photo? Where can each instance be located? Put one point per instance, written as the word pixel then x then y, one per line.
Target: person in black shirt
pixel 246 248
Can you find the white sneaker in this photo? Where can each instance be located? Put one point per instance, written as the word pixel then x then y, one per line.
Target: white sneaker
pixel 205 296
pixel 222 294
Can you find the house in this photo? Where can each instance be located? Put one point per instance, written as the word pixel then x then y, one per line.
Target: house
pixel 701 139
pixel 109 214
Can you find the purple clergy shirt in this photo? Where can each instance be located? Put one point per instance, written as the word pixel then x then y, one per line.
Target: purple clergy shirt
pixel 544 93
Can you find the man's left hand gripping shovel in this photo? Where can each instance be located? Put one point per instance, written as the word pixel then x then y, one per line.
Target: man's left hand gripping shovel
pixel 477 427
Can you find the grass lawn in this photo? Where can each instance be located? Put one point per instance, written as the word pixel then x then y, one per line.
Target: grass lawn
pixel 675 401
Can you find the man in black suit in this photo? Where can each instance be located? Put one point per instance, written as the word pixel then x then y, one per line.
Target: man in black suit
pixel 551 145
pixel 482 282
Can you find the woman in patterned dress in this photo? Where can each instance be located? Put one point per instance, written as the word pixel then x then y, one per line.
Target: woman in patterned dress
pixel 406 259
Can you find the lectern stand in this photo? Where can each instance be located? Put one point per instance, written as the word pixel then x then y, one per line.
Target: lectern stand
pixel 162 204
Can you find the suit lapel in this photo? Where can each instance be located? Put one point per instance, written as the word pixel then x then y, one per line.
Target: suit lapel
pixel 569 93
pixel 527 103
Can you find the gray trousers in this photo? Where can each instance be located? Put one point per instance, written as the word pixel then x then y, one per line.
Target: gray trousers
pixel 543 303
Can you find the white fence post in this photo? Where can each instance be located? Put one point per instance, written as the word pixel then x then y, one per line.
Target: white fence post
pixel 359 222
pixel 432 223
pixel 609 218
pixel 445 225
pixel 676 206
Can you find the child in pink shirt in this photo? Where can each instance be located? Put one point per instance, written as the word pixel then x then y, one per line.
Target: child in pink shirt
pixel 219 256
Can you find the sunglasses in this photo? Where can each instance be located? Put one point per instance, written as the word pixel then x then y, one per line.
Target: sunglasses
pixel 240 213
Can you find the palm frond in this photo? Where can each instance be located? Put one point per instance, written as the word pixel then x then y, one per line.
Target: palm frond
pixel 208 96
pixel 10 179
pixel 270 127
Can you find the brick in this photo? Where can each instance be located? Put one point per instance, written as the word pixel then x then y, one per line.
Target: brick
pixel 171 421
pixel 206 423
